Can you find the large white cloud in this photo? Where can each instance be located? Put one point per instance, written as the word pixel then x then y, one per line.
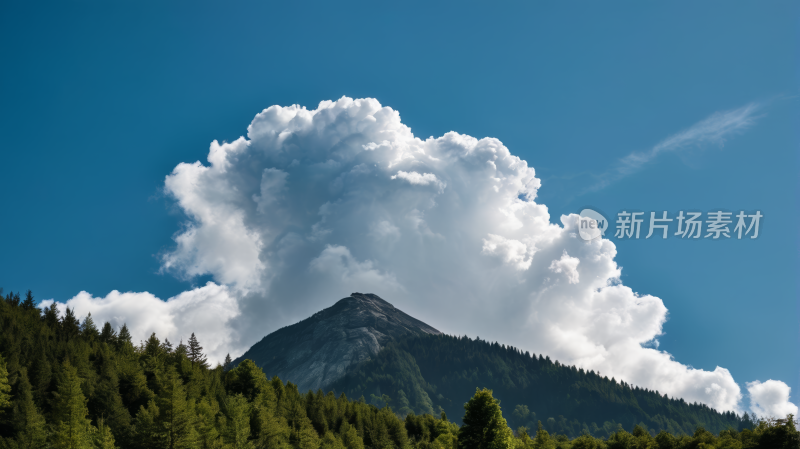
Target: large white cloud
pixel 315 204
pixel 770 399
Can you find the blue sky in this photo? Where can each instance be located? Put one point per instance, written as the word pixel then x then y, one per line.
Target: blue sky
pixel 101 101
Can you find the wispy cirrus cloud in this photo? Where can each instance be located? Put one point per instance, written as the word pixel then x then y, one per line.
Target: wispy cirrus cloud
pixel 714 130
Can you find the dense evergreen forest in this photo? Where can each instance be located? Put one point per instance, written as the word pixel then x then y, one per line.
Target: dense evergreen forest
pixel 426 373
pixel 66 383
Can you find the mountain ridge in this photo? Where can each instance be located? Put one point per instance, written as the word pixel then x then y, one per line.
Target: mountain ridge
pixel 318 350
pixel 364 346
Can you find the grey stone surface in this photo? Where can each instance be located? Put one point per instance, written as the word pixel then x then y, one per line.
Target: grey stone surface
pixel 318 350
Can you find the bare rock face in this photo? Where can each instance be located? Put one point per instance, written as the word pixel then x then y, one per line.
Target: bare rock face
pixel 318 350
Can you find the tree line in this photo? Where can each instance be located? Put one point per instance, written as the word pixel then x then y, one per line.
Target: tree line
pixel 67 383
pixel 429 373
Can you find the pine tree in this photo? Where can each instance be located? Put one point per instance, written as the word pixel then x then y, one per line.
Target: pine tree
pixel 88 328
pixel 196 352
pixel 237 431
pixel 377 434
pixel 104 439
pixel 329 441
pixel 543 440
pixel 149 434
pixel 40 374
pixel 247 379
pixel 396 428
pixel 449 441
pixel 272 431
pixel 177 414
pixel 5 388
pixel 29 304
pixel 51 316
pixel 484 426
pixel 208 437
pixel 124 335
pixel 154 357
pixel 307 438
pixel 13 299
pixel 70 327
pixel 27 421
pixel 73 430
pixel 181 351
pixel 106 400
pixel 108 334
pixel 350 436
pixel 228 362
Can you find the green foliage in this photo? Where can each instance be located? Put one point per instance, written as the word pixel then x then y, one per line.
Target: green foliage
pixel 88 328
pixel 484 426
pixel 330 441
pixel 248 380
pixel 104 438
pixel 65 385
pixel 124 335
pixel 427 373
pixel 29 424
pixel 781 434
pixel 5 388
pixel 148 432
pixel 177 415
pixel 542 439
pixel 73 430
pixel 29 304
pixel 196 352
pixel 350 438
pixel 237 433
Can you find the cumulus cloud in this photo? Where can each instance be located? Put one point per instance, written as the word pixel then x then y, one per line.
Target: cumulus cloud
pixel 208 311
pixel 420 179
pixel 314 204
pixel 568 266
pixel 512 252
pixel 770 399
pixel 341 268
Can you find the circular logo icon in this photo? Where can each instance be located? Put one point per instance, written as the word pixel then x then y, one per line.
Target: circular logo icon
pixel 592 225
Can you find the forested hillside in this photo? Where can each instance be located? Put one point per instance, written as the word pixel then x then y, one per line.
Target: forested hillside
pixel 67 384
pixel 424 373
pixel 64 383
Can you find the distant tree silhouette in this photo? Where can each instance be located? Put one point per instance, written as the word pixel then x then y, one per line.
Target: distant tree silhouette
pixel 29 304
pixel 196 352
pixel 228 362
pixel 124 334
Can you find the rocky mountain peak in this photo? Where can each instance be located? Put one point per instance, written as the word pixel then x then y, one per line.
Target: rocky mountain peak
pixel 318 350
